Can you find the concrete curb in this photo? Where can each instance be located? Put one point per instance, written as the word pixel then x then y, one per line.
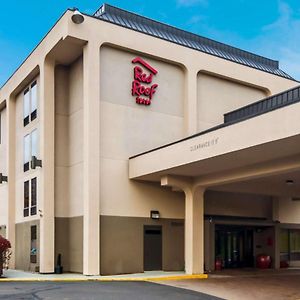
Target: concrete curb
pixel 154 278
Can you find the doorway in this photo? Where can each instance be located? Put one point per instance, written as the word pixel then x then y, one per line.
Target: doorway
pixel 152 248
pixel 234 246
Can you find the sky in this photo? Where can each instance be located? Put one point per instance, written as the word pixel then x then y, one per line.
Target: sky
pixel 269 28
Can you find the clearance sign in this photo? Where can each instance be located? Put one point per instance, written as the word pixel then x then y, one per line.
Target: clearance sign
pixel 142 87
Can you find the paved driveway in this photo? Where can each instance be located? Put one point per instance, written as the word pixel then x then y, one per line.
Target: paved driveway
pixel 96 290
pixel 247 285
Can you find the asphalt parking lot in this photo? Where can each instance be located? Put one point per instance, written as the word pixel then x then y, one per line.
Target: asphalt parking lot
pixel 96 290
pixel 247 284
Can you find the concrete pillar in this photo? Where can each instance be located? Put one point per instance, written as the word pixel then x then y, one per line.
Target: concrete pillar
pixel 194 222
pixel 46 180
pixel 11 173
pixel 91 159
pixel 194 230
pixel 190 104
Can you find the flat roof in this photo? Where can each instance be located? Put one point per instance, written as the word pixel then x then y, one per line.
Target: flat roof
pixel 263 106
pixel 184 38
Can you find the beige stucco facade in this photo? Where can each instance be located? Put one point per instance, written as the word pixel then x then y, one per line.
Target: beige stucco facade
pixel 93 202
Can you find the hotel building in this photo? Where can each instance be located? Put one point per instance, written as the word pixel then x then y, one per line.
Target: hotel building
pixel 129 145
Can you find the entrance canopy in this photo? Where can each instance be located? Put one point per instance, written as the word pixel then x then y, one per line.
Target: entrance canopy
pixel 257 141
pixel 255 151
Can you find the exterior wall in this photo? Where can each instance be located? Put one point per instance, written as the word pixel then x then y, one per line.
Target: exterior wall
pixel 62 189
pixel 127 128
pixel 288 210
pixel 22 176
pixel 236 204
pixel 3 170
pixel 3 143
pixel 22 227
pixel 122 249
pixel 23 246
pixel 137 128
pixel 69 166
pixel 68 140
pixel 216 96
pixel 69 243
pixel 264 243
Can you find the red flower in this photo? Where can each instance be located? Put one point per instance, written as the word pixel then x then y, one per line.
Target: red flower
pixel 4 244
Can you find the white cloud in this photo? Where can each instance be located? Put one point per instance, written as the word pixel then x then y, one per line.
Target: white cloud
pixel 285 15
pixel 280 38
pixel 277 40
pixel 290 62
pixel 195 19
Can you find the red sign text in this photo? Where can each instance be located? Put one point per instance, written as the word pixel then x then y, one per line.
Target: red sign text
pixel 142 87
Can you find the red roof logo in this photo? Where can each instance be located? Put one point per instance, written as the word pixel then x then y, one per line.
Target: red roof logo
pixel 142 87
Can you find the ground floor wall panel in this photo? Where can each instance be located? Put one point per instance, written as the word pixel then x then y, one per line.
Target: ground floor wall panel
pixel 69 243
pixel 122 249
pixel 23 246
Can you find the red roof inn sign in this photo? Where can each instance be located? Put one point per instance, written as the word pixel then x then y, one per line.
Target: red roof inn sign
pixel 142 87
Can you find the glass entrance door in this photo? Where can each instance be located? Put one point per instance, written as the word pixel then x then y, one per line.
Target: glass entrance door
pixel 234 246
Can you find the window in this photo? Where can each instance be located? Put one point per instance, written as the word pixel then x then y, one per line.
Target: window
pixel 33 196
pixel 290 245
pixel 26 199
pixel 27 152
pixel 30 197
pixel 30 103
pixel 33 244
pixel 33 111
pixel 30 148
pixel 26 109
pixel 34 143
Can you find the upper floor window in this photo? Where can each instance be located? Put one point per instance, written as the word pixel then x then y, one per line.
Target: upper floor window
pixel 30 197
pixel 30 103
pixel 30 148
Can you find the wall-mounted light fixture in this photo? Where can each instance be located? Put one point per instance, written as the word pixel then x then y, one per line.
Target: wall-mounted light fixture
pixel 77 16
pixel 154 214
pixel 3 178
pixel 35 162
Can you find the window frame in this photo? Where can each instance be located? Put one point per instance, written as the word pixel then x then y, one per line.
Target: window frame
pixel 30 103
pixel 33 244
pixel 26 198
pixel 33 148
pixel 30 197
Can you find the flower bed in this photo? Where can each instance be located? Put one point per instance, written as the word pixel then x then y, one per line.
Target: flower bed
pixel 5 253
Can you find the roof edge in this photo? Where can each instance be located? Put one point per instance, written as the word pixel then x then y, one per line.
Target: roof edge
pixel 107 8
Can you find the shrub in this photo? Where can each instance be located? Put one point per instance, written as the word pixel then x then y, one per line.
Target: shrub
pixel 5 253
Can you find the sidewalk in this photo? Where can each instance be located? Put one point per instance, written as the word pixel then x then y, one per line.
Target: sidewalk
pixel 22 276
